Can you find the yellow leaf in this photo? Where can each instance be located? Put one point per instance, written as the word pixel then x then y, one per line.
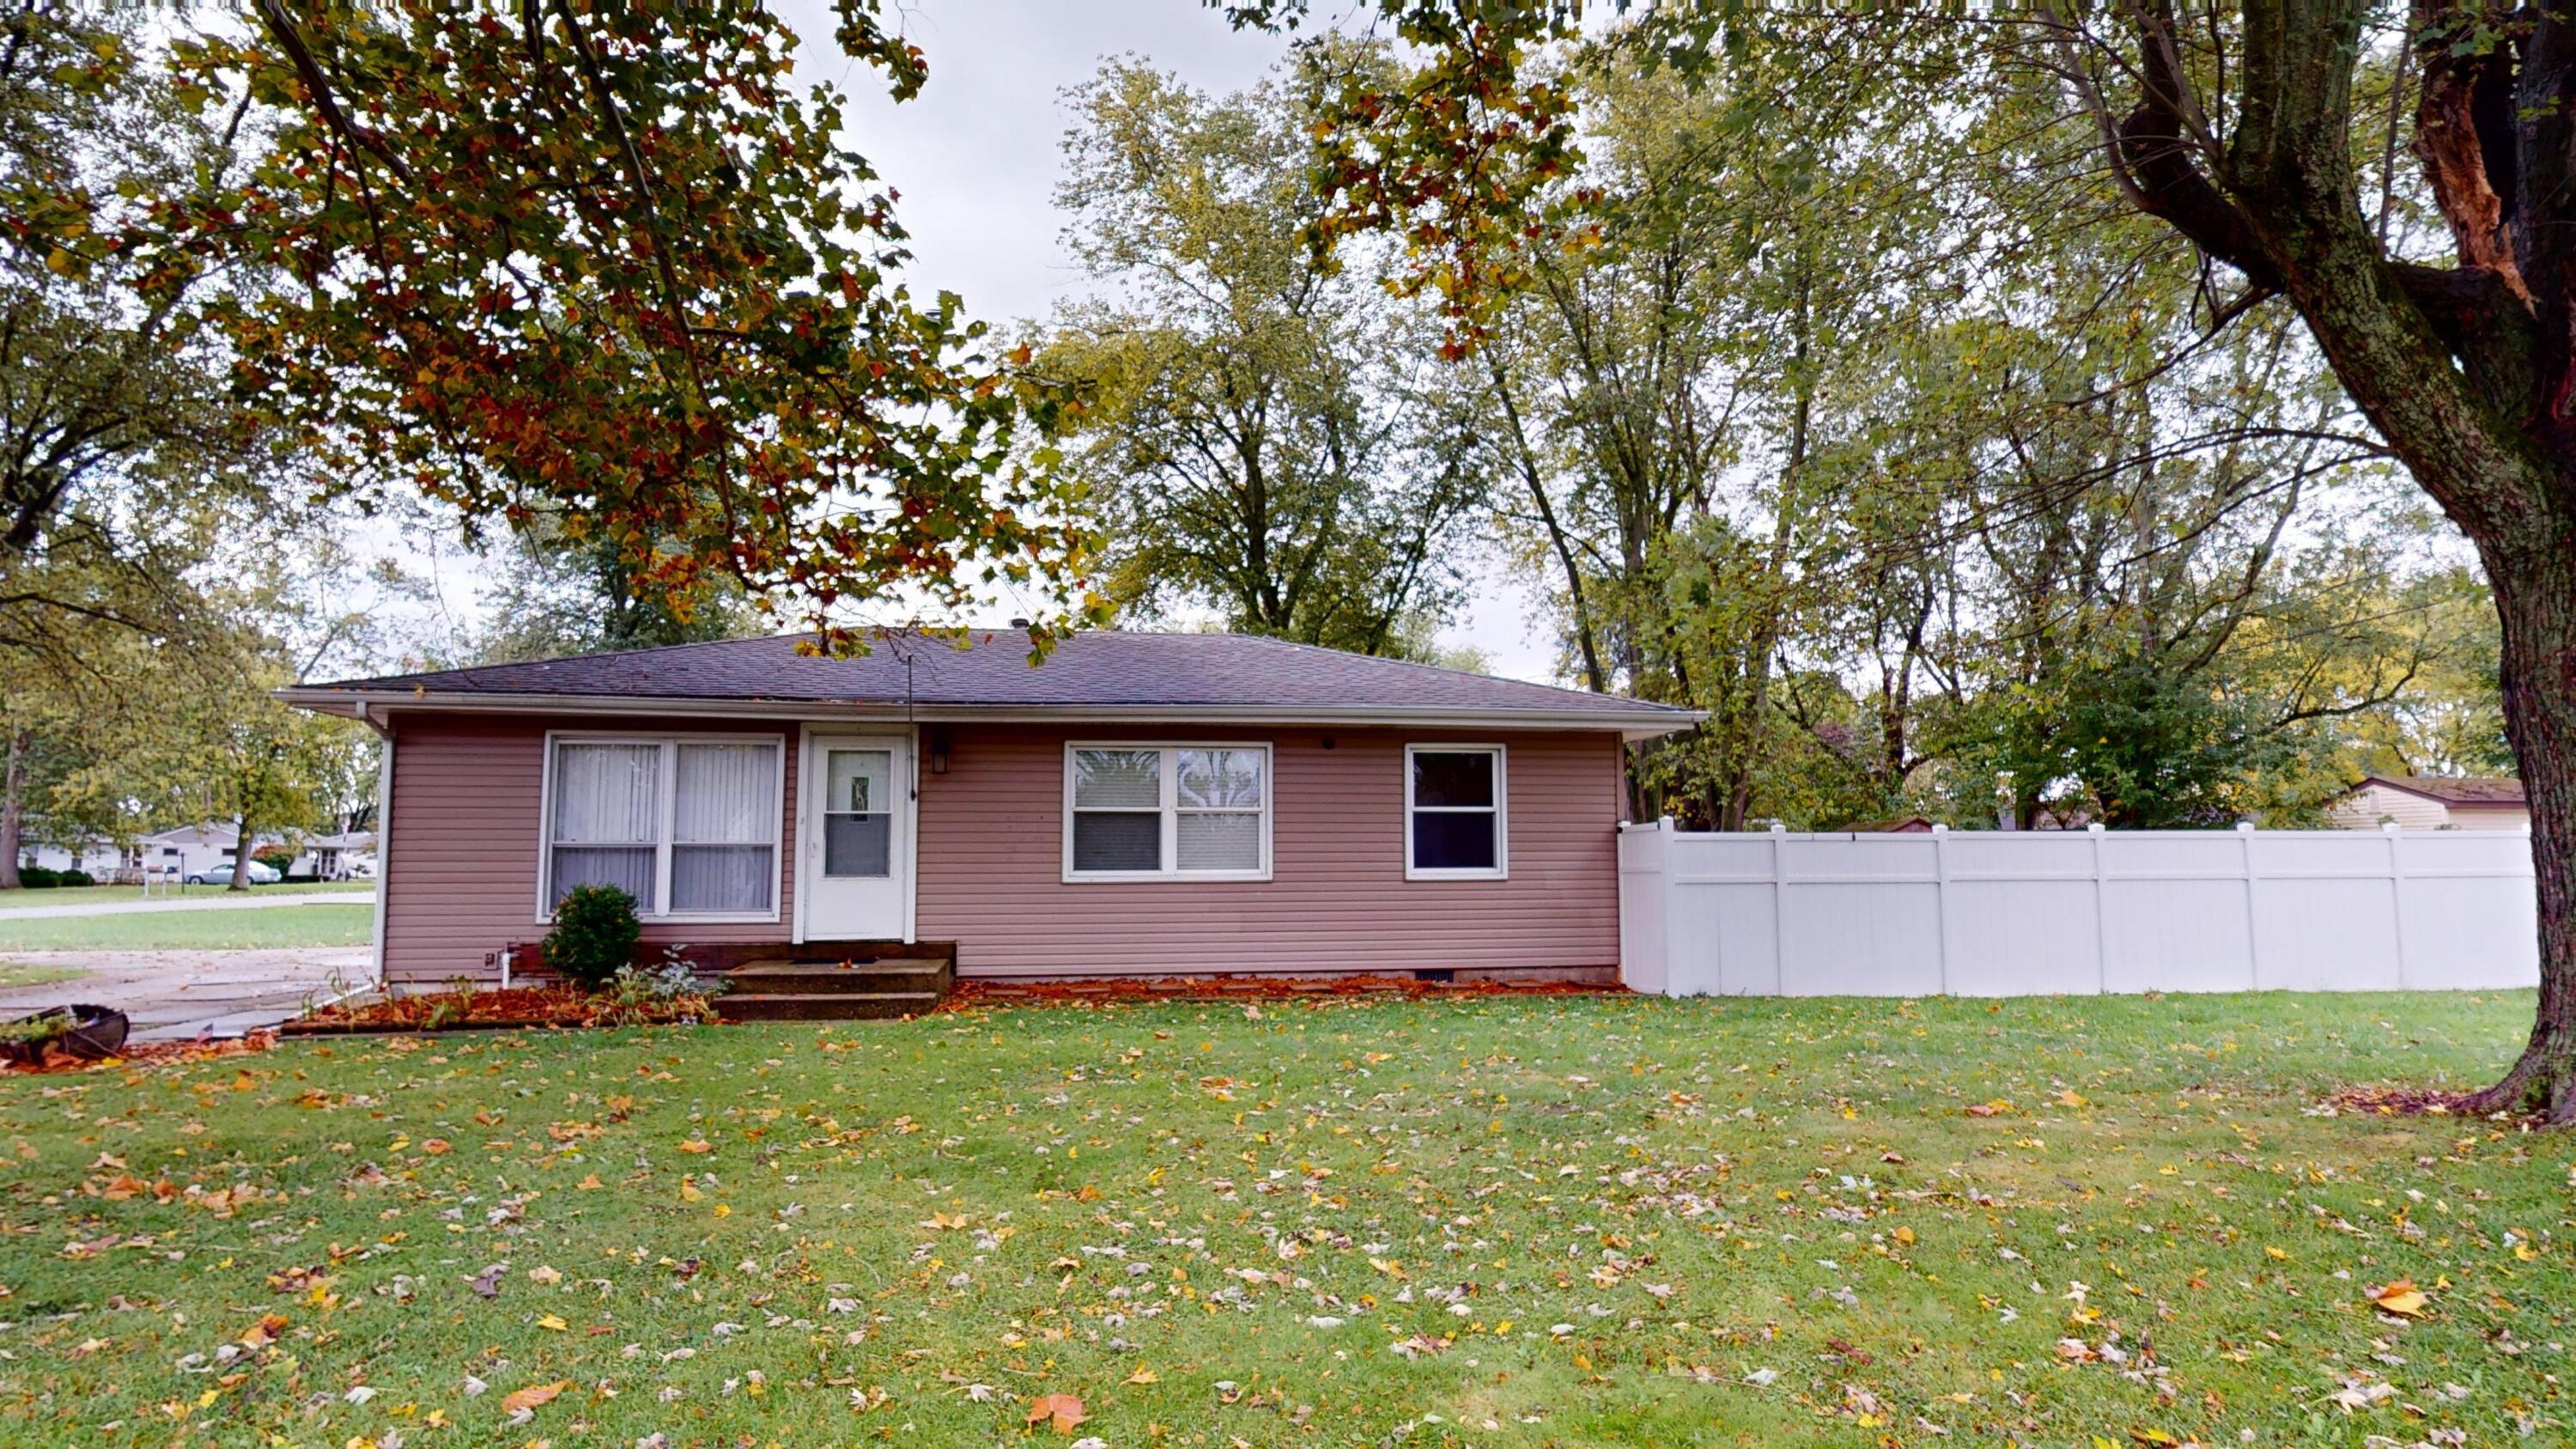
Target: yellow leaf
pixel 1142 1376
pixel 2401 1297
pixel 689 1192
pixel 1904 1235
pixel 552 1324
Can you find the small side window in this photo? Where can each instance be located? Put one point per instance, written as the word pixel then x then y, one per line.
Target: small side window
pixel 1455 813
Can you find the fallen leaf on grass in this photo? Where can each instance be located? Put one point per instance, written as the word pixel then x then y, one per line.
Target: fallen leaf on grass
pixel 1063 1411
pixel 1142 1376
pixel 534 1395
pixel 2401 1297
pixel 264 1332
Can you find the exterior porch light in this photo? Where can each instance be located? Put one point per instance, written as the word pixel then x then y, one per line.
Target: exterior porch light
pixel 939 752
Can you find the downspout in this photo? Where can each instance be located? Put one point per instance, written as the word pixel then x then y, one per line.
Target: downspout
pixel 384 834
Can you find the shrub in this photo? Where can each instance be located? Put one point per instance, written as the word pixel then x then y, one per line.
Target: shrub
pixel 641 994
pixel 276 860
pixel 595 934
pixel 36 878
pixel 74 878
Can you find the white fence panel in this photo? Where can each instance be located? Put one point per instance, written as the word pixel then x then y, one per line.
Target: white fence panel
pixel 2066 913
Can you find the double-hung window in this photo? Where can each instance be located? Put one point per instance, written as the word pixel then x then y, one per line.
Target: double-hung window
pixel 1454 813
pixel 1167 812
pixel 688 827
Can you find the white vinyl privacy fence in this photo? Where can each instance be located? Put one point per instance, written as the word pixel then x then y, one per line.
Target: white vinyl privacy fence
pixel 1979 913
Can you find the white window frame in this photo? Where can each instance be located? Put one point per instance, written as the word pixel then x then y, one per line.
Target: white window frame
pixel 1170 811
pixel 1501 810
pixel 667 805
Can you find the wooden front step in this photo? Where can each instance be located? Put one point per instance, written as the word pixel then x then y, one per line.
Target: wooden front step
pixel 839 981
pixel 873 978
pixel 825 1006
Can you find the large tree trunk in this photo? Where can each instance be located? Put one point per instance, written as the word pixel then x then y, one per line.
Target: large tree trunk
pixel 241 854
pixel 2465 370
pixel 13 810
pixel 2535 592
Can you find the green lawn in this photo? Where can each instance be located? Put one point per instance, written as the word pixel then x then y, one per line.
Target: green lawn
pixel 120 895
pixel 19 973
pixel 193 930
pixel 1508 1222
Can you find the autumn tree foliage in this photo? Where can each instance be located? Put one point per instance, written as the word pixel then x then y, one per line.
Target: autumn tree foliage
pixel 610 267
pixel 2242 125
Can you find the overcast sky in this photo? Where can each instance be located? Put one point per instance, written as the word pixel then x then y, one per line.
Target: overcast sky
pixel 975 156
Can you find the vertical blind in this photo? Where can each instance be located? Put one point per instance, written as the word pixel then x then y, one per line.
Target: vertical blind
pixel 607 814
pixel 722 827
pixel 724 820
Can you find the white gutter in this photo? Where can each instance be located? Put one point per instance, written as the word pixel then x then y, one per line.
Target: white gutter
pixel 1633 724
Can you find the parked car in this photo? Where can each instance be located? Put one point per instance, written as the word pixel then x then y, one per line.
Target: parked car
pixel 222 875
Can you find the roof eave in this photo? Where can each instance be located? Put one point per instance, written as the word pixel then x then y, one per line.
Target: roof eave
pixel 2503 802
pixel 371 705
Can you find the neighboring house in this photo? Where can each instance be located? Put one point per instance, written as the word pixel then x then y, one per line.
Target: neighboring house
pixel 100 858
pixel 2433 802
pixel 1147 804
pixel 333 857
pixel 196 849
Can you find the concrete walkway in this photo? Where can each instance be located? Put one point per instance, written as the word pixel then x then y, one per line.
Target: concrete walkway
pixel 244 902
pixel 175 995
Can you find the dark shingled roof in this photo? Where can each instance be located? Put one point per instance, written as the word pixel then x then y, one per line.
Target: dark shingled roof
pixel 1090 671
pixel 2456 789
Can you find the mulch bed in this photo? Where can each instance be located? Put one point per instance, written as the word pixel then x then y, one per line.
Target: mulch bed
pixel 149 1054
pixel 984 995
pixel 557 1005
pixel 516 1008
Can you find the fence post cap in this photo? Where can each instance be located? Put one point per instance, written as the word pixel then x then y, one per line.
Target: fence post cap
pixel 1778 828
pixel 2388 827
pixel 2093 827
pixel 1939 829
pixel 1664 823
pixel 2244 827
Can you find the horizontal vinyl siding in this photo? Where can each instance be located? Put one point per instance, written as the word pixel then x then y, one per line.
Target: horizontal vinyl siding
pixel 461 840
pixel 992 832
pixel 2371 804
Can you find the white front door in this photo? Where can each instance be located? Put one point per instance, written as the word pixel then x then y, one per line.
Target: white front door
pixel 855 883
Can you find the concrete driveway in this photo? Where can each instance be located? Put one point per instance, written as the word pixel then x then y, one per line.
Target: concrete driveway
pixel 174 995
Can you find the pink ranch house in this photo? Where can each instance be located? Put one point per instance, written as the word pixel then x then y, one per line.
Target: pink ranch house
pixel 1139 804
